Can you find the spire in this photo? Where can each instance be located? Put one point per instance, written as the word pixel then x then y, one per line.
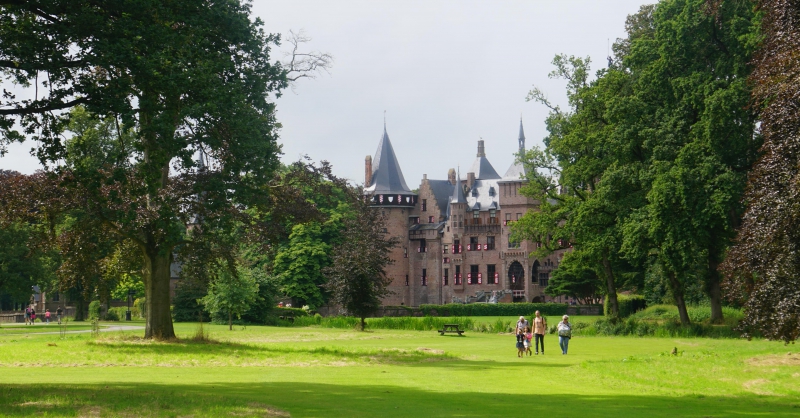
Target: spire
pixel 387 178
pixel 517 170
pixel 458 192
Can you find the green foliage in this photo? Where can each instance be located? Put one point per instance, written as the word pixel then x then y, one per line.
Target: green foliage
pixel 119 313
pixel 299 264
pixel 628 305
pixel 186 306
pixel 230 294
pixel 699 314
pixel 21 264
pixel 665 329
pixel 357 274
pixel 94 310
pixel 282 311
pixel 141 306
pixel 494 309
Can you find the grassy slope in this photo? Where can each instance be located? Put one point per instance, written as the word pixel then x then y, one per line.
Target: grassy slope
pixel 261 371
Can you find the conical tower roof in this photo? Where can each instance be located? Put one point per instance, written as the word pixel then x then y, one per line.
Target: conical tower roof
pixel 387 178
pixel 458 191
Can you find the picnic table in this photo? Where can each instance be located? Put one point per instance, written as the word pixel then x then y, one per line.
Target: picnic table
pixel 451 328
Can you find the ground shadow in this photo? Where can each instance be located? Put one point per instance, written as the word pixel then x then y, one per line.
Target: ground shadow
pixel 330 400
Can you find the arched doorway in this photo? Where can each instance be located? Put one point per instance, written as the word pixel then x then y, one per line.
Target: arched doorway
pixel 516 277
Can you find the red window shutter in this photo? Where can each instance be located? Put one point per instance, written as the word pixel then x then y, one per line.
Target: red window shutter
pixel 480 278
pixel 469 278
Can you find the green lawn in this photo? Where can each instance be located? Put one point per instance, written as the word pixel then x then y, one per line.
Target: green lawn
pixel 268 371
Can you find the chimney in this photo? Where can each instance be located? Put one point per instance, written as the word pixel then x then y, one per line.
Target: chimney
pixel 471 177
pixel 368 171
pixel 451 176
pixel 481 152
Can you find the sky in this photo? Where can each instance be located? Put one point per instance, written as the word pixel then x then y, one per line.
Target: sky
pixel 445 74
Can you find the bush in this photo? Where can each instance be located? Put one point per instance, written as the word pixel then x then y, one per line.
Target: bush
pixel 696 314
pixel 118 313
pixel 140 306
pixel 666 329
pixel 628 305
pixel 289 312
pixel 112 315
pixel 494 309
pixel 94 310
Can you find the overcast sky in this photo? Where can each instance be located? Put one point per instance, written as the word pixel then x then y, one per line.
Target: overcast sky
pixel 447 73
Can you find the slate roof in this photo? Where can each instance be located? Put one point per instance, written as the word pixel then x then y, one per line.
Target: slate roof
pixel 387 178
pixel 483 169
pixel 442 189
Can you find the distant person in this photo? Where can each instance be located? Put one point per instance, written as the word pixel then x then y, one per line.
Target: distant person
pixel 33 316
pixel 539 329
pixel 528 336
pixel 27 315
pixel 47 316
pixel 519 331
pixel 58 315
pixel 564 333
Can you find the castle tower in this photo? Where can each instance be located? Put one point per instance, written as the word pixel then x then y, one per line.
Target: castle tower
pixel 390 194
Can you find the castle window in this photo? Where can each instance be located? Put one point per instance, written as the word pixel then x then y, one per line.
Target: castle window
pixel 444 277
pixel 544 279
pixel 406 279
pixel 422 246
pixel 424 205
pixel 512 243
pixel 490 244
pixel 456 247
pixel 491 191
pixel 473 274
pixel 424 277
pixel 405 252
pixel 473 244
pixel 491 274
pixel 430 219
pixel 476 214
pixel 457 276
pixel 474 192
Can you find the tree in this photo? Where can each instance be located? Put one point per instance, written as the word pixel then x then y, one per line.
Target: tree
pixel 357 273
pixel 690 73
pixel 762 267
pixel 230 293
pixel 187 75
pixel 574 278
pixel 299 265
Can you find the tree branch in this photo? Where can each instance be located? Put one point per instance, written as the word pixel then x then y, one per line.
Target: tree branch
pixel 43 109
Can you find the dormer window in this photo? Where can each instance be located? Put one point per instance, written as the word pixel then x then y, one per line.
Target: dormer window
pixel 474 192
pixel 491 191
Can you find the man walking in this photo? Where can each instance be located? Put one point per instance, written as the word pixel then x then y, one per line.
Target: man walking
pixel 58 315
pixel 539 328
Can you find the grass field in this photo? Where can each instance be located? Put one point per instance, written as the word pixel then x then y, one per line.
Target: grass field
pixel 303 372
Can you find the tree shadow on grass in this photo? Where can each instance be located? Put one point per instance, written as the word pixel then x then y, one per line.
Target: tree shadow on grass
pixel 330 400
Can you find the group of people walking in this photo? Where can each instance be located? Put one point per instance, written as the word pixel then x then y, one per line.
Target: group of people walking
pixel 30 315
pixel 526 331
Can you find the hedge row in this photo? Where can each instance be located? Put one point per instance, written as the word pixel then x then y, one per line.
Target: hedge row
pixel 628 305
pixel 494 309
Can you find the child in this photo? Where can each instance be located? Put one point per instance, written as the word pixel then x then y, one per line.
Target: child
pixel 33 316
pixel 47 315
pixel 528 337
pixel 520 349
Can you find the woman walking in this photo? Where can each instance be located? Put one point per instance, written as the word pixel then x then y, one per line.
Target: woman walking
pixel 564 333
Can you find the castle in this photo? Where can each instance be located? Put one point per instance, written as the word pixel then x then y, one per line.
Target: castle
pixel 454 234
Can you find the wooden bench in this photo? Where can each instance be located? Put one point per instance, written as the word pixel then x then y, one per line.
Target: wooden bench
pixel 451 328
pixel 287 318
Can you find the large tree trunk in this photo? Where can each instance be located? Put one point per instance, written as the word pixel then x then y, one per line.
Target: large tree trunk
pixel 363 322
pixel 156 290
pixel 680 302
pixel 715 293
pixel 611 288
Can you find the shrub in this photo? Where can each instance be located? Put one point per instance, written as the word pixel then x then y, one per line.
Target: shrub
pixel 628 305
pixel 112 315
pixel 141 306
pixel 184 305
pixel 666 329
pixel 289 312
pixel 94 310
pixel 494 309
